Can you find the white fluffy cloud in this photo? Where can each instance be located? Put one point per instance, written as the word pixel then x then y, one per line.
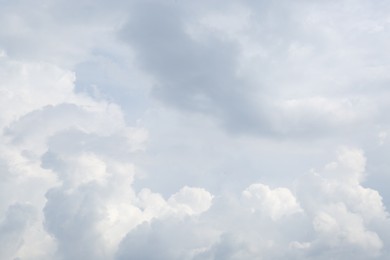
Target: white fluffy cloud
pixel 276 203
pixel 345 214
pixel 328 217
pixel 192 130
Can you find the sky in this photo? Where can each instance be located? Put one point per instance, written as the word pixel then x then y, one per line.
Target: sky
pixel 194 130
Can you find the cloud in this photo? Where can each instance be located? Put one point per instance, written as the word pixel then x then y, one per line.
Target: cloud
pixel 343 211
pixel 183 130
pixel 29 86
pixel 12 228
pixel 172 231
pixel 43 167
pixel 192 75
pixel 304 76
pixel 277 203
pixel 339 219
pixel 43 31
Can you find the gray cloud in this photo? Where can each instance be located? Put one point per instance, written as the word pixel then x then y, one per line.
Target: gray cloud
pixel 17 220
pixel 192 75
pixel 183 130
pixel 304 76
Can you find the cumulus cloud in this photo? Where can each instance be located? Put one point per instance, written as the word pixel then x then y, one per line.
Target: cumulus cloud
pixel 277 203
pixel 341 219
pixel 191 130
pixel 343 210
pixel 16 221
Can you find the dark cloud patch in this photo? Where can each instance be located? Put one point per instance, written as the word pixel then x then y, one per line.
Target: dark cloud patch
pixel 72 218
pixel 16 220
pixel 191 75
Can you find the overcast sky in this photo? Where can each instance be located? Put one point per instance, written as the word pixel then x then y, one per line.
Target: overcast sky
pixel 194 130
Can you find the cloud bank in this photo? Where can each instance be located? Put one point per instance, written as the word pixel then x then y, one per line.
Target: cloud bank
pixel 193 130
